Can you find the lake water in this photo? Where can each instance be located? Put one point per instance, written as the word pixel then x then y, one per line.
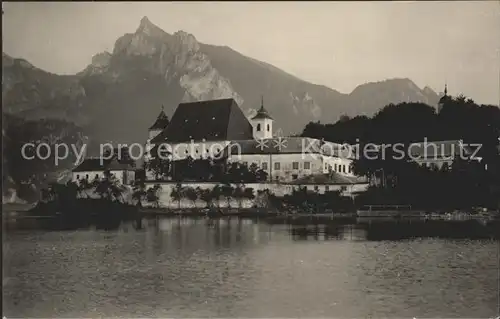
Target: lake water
pixel 178 267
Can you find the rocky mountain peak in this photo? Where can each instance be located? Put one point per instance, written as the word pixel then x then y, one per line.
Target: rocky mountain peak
pixel 428 90
pixel 7 60
pixel 186 42
pixel 146 27
pixel 101 59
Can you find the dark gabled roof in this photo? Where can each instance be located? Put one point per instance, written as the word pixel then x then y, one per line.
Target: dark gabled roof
pixel 444 99
pixel 262 114
pixel 439 149
pixel 332 178
pixel 94 164
pixel 287 145
pixel 214 120
pixel 161 122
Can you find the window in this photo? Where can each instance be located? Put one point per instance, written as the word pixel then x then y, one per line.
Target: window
pixel 327 188
pixel 268 127
pixel 277 166
pixel 264 166
pixel 295 165
pixel 295 176
pixel 307 165
pixel 316 188
pixel 87 176
pixel 96 176
pixel 258 127
pixel 77 176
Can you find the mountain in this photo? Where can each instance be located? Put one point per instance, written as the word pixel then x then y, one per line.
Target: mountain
pixel 119 94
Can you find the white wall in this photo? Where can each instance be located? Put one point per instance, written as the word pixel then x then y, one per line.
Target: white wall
pixel 338 165
pixel 165 199
pixel 286 169
pixel 91 175
pixel 318 164
pixel 263 133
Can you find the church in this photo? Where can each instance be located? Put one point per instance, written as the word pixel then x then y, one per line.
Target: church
pixel 219 129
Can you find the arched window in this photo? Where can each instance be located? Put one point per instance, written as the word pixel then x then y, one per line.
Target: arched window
pixel 258 127
pixel 268 127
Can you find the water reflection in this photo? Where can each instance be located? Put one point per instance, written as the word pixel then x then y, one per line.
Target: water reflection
pixel 234 267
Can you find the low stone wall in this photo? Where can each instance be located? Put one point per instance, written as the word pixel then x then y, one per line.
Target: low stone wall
pixel 166 200
pixel 280 190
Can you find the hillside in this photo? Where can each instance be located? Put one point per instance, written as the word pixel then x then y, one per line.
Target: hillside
pixel 120 93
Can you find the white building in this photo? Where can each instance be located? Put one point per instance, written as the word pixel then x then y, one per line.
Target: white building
pixel 291 158
pixel 441 154
pixel 91 169
pixel 202 129
pixel 219 129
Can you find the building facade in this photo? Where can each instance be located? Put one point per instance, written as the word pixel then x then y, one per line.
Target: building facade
pixel 91 169
pixel 441 154
pixel 218 129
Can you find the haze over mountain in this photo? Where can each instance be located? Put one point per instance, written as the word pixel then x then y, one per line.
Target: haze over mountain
pixel 118 95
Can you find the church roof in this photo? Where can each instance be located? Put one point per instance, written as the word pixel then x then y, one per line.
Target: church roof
pixel 161 121
pixel 262 113
pixel 444 98
pixel 213 120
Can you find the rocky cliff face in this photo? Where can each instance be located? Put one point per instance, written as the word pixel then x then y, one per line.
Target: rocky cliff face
pixel 176 58
pixel 150 68
pixel 120 93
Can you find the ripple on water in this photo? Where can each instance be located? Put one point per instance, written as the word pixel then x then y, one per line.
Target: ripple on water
pixel 236 269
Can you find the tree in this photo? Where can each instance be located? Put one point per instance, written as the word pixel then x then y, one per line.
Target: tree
pixel 177 193
pixel 248 193
pixel 238 194
pixel 159 166
pixel 152 195
pixel 191 194
pixel 216 194
pixel 139 192
pixel 227 191
pixel 83 186
pixel 205 195
pixel 109 188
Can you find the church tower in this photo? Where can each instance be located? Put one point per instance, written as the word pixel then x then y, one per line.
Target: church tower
pixel 154 130
pixel 443 99
pixel 159 125
pixel 262 123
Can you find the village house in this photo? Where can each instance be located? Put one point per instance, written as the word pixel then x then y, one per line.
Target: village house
pixel 441 154
pixel 321 183
pixel 219 129
pixel 122 168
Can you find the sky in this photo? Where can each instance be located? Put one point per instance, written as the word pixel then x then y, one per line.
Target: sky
pixel 337 44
